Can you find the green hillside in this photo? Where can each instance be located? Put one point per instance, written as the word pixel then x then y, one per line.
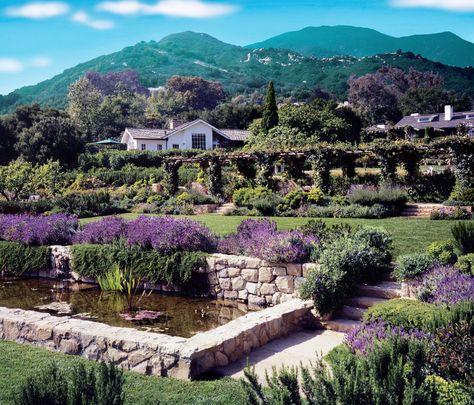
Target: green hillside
pixel 239 69
pixel 329 41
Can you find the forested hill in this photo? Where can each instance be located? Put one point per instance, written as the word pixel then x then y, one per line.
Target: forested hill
pixel 240 70
pixel 329 41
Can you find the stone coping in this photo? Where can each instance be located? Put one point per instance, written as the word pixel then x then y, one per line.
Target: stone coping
pixel 154 353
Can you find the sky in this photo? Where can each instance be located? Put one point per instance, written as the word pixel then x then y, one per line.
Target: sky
pixel 40 39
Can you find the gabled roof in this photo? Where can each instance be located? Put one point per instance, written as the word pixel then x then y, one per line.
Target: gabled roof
pixel 159 134
pixel 436 121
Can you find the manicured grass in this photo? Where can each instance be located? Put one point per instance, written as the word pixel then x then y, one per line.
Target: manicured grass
pixel 410 235
pixel 18 362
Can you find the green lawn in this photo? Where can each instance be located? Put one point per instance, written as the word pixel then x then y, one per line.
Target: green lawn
pixel 410 235
pixel 20 361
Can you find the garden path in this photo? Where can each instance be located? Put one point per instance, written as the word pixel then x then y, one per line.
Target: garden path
pixel 299 347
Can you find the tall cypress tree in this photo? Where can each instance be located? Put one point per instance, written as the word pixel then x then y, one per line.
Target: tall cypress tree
pixel 270 110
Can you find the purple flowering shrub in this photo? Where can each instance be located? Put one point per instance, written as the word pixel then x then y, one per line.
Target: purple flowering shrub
pixel 38 230
pixel 362 338
pixel 164 234
pixel 445 285
pixel 260 238
pixel 104 231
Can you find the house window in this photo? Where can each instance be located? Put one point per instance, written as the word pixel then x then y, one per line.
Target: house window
pixel 175 146
pixel 198 141
pixel 143 146
pixel 159 147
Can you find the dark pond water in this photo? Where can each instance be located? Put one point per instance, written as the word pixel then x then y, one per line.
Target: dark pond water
pixel 182 316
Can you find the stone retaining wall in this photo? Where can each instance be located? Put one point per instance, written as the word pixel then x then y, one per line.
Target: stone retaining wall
pixel 153 353
pixel 247 279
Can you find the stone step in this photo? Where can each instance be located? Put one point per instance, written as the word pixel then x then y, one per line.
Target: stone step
pixel 341 325
pixel 351 312
pixel 384 289
pixel 364 302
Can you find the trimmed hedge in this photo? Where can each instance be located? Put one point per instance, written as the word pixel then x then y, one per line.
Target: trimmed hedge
pixel 413 314
pixel 96 260
pixel 16 258
pixel 414 265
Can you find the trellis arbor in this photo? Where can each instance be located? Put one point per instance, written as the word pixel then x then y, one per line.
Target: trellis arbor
pixel 258 167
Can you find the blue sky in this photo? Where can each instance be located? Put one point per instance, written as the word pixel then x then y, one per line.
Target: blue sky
pixel 42 38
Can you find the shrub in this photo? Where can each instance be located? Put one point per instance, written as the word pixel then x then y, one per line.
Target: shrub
pixel 376 211
pixel 392 373
pixel 414 265
pixel 443 251
pixel 260 238
pixel 343 264
pixel 38 230
pixel 16 258
pixel 244 197
pixel 294 199
pixel 174 269
pixel 316 196
pixel 386 196
pixel 88 204
pixel 167 235
pixel 463 233
pixel 450 392
pixel 446 285
pixel 465 264
pixel 450 214
pixel 101 385
pixel 25 207
pixel 409 314
pixel 362 338
pixel 433 188
pixel 464 195
pixel 106 230
pixel 452 352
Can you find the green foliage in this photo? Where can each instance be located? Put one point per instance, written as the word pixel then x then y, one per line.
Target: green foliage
pixel 112 280
pixel 411 314
pixel 450 392
pixel 463 234
pixel 25 207
pixel 270 110
pixel 215 176
pixel 443 251
pixel 315 196
pixel 294 199
pixel 88 204
pixel 16 180
pixel 463 195
pixel 465 264
pixel 245 197
pixel 79 386
pixel 387 196
pixel 392 373
pixel 97 260
pixel 17 259
pixel 171 178
pixel 344 263
pixel 414 265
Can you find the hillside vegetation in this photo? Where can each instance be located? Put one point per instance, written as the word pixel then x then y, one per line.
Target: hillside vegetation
pixel 240 70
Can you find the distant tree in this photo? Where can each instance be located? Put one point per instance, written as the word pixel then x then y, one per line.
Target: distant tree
pixel 319 94
pixel 84 107
pixel 232 115
pixel 163 105
pixel 270 110
pixel 7 141
pixel 432 100
pixel 111 82
pixel 50 138
pixel 199 94
pixel 16 180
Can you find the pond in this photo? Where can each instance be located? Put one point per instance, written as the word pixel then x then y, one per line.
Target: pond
pixel 181 316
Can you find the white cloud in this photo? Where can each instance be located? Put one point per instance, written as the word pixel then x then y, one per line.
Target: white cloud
pixel 450 5
pixel 41 61
pixel 39 10
pixel 9 65
pixel 172 8
pixel 83 18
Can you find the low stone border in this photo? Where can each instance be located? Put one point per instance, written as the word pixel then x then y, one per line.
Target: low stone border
pixel 153 353
pixel 247 279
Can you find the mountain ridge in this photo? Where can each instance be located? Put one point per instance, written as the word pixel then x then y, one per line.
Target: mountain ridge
pixel 239 69
pixel 359 42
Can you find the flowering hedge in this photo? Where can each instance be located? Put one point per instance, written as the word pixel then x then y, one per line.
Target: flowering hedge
pixel 445 285
pixel 362 338
pixel 38 230
pixel 260 238
pixel 163 234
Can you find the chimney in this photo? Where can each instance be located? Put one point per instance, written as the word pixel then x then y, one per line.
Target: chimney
pixel 173 123
pixel 448 112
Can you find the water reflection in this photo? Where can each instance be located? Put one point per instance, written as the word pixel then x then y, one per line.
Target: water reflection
pixel 182 316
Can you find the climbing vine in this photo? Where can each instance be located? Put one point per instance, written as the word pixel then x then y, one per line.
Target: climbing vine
pixel 246 167
pixel 321 167
pixel 171 177
pixel 265 169
pixel 294 165
pixel 388 156
pixel 215 176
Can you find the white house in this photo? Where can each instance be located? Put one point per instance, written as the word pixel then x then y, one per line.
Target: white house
pixel 196 134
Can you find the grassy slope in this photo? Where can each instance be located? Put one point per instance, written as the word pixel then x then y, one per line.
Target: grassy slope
pixel 410 235
pixel 18 362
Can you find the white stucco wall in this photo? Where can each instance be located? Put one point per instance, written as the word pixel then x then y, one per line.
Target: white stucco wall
pixel 184 138
pixel 150 144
